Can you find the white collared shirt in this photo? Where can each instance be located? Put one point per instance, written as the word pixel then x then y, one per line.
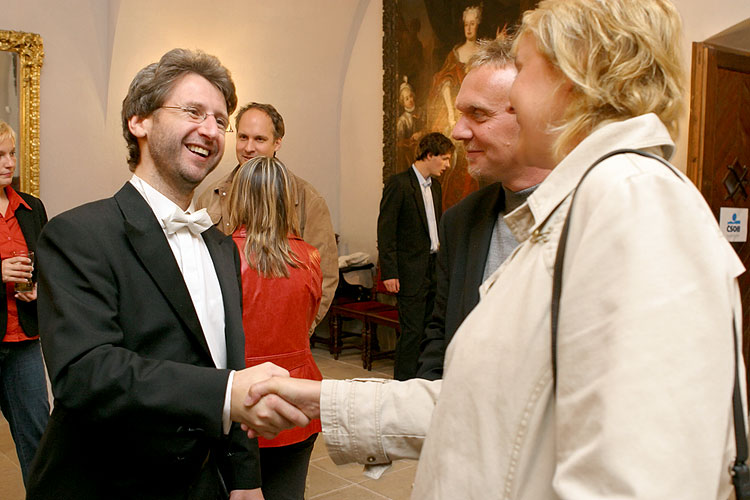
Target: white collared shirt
pixel 199 274
pixel 429 207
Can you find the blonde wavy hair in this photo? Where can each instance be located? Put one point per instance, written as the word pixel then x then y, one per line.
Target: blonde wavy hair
pixel 6 132
pixel 261 200
pixel 622 56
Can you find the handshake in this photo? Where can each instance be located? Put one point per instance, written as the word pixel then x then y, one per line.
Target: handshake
pixel 266 401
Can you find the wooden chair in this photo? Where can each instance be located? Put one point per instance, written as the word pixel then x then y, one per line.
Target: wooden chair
pixel 387 318
pixel 354 310
pixel 345 294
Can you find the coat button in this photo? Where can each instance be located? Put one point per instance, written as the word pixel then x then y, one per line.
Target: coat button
pixel 370 460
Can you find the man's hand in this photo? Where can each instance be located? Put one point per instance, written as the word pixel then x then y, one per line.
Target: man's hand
pixel 16 269
pixel 392 285
pixel 268 417
pixel 243 380
pixel 276 394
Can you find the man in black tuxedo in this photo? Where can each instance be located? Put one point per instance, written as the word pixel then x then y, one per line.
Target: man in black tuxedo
pixel 473 235
pixel 408 243
pixel 140 314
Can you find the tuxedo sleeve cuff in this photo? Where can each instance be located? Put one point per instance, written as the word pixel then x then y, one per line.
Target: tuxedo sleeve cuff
pixel 226 421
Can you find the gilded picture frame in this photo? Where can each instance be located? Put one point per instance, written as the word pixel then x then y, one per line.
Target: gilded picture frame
pixel 30 51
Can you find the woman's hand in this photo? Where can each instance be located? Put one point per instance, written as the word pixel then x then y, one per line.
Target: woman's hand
pixel 27 296
pixel 17 270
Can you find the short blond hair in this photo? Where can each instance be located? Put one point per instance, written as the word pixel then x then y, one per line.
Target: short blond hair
pixel 6 131
pixel 622 56
pixel 497 52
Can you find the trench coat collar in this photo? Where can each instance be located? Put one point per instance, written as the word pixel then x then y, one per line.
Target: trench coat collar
pixel 645 132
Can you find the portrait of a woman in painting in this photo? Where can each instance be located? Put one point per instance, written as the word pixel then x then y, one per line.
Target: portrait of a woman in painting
pixel 435 40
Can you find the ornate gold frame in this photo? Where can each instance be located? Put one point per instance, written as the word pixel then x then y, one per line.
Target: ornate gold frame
pixel 390 88
pixel 30 52
pixel 391 70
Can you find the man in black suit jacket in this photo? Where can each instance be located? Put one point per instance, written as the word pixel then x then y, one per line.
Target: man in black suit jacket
pixel 408 243
pixel 140 314
pixel 474 238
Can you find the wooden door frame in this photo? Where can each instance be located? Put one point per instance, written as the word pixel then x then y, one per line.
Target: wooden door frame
pixel 704 76
pixel 708 60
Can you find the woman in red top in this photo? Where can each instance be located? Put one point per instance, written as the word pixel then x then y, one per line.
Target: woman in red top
pixel 23 387
pixel 281 288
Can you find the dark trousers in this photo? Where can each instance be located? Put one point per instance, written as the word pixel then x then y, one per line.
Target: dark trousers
pixel 284 470
pixel 23 397
pixel 414 311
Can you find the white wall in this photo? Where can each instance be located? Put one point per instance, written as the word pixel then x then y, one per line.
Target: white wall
pixel 75 163
pixel 318 61
pixel 288 53
pixel 294 54
pixel 361 140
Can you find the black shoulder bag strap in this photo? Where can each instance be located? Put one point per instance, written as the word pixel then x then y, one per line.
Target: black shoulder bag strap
pixel 740 472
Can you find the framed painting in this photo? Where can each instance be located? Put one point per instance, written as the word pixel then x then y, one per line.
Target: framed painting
pixel 426 45
pixel 21 57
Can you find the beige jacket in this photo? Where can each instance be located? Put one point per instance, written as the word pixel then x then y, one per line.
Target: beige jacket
pixel 314 221
pixel 645 352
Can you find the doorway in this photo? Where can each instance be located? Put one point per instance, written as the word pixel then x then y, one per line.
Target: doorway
pixel 719 135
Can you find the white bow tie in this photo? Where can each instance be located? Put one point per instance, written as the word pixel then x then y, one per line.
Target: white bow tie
pixel 197 222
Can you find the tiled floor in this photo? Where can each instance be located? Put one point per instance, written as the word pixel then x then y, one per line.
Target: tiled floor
pixel 11 484
pixel 326 480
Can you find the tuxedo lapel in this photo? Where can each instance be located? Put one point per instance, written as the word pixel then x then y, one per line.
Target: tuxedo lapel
pixel 221 248
pixel 148 240
pixel 417 193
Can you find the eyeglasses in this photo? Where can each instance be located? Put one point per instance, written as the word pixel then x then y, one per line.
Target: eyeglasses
pixel 195 115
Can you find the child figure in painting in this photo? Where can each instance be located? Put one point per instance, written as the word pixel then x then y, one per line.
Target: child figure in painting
pixel 410 123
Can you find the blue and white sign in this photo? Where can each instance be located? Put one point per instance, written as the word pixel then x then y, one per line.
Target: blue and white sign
pixel 733 223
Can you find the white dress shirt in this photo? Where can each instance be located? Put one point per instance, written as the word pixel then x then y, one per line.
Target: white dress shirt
pixel 429 207
pixel 199 274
